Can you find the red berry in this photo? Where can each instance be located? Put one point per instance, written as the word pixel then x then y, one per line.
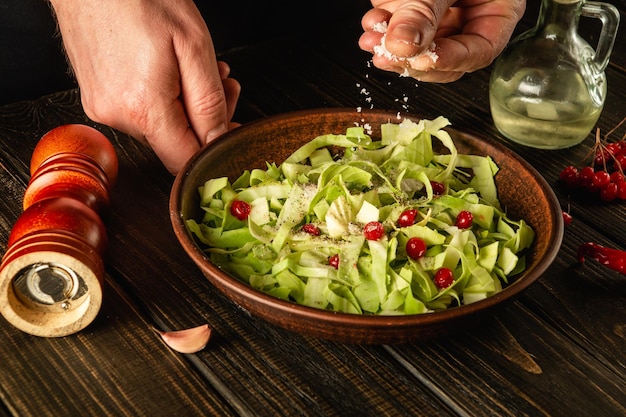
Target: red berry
pixel 464 220
pixel 415 248
pixel 438 187
pixel 443 278
pixel 585 177
pixel 617 177
pixel 407 218
pixel 600 180
pixel 600 157
pixel 334 261
pixel 620 162
pixel 240 209
pixel 311 229
pixel 373 231
pixel 569 176
pixel 608 192
pixel 621 190
pixel 613 148
pixel 567 218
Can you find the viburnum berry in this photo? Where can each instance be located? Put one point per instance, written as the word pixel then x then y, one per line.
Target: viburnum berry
pixel 464 219
pixel 621 190
pixel 604 154
pixel 604 176
pixel 311 229
pixel 240 209
pixel 607 182
pixel 569 176
pixel 620 162
pixel 373 231
pixel 617 176
pixel 608 192
pixel 585 177
pixel 334 261
pixel 613 148
pixel 601 156
pixel 600 180
pixel 407 218
pixel 415 248
pixel 444 277
pixel 567 218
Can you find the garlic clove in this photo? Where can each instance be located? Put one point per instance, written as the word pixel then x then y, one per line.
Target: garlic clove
pixel 190 340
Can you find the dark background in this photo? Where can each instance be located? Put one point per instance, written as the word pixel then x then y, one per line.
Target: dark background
pixel 32 63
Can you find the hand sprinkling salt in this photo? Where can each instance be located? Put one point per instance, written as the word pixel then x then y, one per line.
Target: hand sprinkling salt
pixel 381 49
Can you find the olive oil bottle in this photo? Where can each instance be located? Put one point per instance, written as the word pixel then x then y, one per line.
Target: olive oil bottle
pixel 548 87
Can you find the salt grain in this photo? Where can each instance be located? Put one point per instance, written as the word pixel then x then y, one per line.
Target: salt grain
pixel 381 49
pixel 380 27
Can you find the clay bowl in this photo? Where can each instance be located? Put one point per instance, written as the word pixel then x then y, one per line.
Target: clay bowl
pixel 522 191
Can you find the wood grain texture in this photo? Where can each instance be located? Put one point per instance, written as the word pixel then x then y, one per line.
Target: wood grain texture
pixel 558 350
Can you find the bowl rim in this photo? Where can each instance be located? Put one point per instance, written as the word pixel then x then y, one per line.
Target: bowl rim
pixel 250 294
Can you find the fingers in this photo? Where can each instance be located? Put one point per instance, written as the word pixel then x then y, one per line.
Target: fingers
pixel 438 41
pixel 232 90
pixel 400 30
pixel 208 98
pixel 202 91
pixel 171 138
pixel 411 25
pixel 412 28
pixel 470 38
pixel 178 138
pixel 150 72
pixel 178 123
pixel 372 28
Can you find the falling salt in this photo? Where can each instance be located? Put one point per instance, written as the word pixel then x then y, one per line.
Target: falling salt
pixel 380 49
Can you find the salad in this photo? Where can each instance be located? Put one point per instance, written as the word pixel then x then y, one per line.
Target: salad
pixel 357 225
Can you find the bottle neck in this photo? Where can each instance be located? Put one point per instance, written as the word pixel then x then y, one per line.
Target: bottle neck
pixel 559 17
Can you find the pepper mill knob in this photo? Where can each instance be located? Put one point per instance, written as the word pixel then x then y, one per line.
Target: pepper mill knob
pixel 77 139
pixel 51 276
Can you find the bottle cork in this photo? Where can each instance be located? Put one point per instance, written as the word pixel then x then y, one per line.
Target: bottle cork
pixel 51 276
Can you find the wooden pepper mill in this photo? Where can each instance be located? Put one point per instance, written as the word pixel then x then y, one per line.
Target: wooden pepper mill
pixel 52 273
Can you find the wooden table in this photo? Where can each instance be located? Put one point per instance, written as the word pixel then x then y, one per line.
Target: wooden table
pixel 559 350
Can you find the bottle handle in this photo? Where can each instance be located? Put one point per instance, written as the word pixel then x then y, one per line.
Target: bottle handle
pixel 609 15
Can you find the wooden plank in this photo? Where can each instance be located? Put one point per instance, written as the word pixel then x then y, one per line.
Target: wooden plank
pixel 516 365
pixel 250 367
pixel 118 364
pixel 599 342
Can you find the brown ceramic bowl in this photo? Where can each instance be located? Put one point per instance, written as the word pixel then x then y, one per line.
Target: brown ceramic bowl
pixel 522 191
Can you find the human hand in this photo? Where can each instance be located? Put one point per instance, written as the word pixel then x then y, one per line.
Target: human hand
pixel 149 69
pixel 438 40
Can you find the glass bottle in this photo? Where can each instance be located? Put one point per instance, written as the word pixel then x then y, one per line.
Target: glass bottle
pixel 548 87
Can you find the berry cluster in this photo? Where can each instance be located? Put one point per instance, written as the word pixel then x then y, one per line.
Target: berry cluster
pixel 606 177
